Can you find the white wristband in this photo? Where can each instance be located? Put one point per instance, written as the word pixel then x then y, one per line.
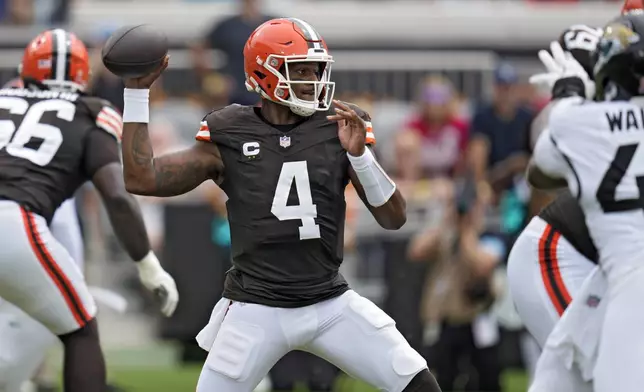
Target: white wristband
pixel 377 185
pixel 136 108
pixel 148 263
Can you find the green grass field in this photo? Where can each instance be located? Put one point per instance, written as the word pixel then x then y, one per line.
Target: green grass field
pixel 154 369
pixel 185 379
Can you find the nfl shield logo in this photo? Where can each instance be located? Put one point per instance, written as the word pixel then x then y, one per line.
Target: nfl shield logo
pixel 285 141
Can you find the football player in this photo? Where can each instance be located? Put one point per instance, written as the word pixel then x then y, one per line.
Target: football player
pixel 554 254
pixel 53 138
pixel 284 167
pixel 593 147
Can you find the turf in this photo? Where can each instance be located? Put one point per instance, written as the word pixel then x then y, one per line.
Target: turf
pixel 185 378
pixel 154 369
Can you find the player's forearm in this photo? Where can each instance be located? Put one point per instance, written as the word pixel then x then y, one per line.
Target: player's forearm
pixel 168 175
pixel 393 214
pixel 126 219
pixel 138 168
pixel 378 191
pixel 538 179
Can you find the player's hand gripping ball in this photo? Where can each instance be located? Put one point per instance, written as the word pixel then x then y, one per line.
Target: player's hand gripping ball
pixel 352 130
pixel 135 51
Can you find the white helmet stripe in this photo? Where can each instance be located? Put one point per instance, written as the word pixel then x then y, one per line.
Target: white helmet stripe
pixel 60 54
pixel 309 31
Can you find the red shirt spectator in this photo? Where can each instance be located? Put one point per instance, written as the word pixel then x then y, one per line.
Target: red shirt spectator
pixel 444 135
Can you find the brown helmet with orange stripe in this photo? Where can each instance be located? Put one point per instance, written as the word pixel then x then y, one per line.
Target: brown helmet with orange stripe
pixel 58 59
pixel 269 51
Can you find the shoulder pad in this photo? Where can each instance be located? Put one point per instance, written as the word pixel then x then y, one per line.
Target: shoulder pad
pixel 566 117
pixel 218 119
pixel 371 138
pixel 104 115
pixel 581 41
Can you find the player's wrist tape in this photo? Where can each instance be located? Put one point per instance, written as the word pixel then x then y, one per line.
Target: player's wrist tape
pixel 149 263
pixel 378 187
pixel 136 108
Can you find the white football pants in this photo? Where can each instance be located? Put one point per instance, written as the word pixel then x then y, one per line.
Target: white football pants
pixel 245 341
pixel 544 273
pixel 23 340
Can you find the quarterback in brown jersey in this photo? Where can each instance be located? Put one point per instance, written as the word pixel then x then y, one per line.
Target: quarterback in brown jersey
pixel 284 167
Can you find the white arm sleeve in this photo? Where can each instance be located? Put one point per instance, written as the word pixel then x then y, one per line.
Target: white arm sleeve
pixel 548 158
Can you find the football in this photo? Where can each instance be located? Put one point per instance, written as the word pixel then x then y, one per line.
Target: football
pixel 134 51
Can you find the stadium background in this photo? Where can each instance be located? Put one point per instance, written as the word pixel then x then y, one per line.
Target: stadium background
pixel 384 50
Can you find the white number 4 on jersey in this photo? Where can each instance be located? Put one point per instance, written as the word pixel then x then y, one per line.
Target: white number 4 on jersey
pixel 306 211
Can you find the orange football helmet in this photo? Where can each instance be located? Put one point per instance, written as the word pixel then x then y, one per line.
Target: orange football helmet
pixel 630 5
pixel 269 51
pixel 56 58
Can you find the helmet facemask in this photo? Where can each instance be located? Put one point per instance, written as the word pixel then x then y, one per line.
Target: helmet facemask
pixel 284 94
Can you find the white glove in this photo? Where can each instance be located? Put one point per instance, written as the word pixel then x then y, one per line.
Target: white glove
pixel 157 280
pixel 561 64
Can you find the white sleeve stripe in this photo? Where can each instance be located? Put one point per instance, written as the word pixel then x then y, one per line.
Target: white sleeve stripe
pixel 203 134
pixel 108 125
pixel 111 113
pixel 109 120
pixel 371 135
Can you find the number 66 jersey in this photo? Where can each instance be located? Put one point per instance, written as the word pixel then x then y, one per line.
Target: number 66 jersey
pixel 286 207
pixel 51 142
pixel 598 147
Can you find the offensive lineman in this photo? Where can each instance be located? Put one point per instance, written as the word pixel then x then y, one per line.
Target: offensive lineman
pixel 593 147
pixel 53 138
pixel 284 167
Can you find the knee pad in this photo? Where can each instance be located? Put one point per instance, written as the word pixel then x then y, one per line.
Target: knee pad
pixel 234 351
pixel 403 358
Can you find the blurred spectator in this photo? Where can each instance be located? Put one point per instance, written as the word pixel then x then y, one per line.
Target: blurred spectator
pixel 52 12
pixel 229 36
pixel 459 292
pixel 443 134
pixel 17 12
pixel 183 114
pixel 216 92
pixel 497 148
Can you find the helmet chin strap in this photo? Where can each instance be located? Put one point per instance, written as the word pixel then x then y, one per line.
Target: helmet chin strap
pixel 301 111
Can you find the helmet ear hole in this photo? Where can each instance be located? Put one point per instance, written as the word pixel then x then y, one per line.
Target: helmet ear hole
pixel 260 75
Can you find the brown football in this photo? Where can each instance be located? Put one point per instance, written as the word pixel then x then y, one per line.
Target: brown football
pixel 134 51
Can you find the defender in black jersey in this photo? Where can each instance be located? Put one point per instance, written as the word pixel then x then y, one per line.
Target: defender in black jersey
pixel 52 139
pixel 284 167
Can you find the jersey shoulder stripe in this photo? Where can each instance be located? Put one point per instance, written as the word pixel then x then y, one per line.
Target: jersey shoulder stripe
pixel 203 135
pixel 110 121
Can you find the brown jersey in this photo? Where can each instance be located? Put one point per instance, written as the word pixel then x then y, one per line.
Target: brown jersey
pixel 286 207
pixel 50 143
